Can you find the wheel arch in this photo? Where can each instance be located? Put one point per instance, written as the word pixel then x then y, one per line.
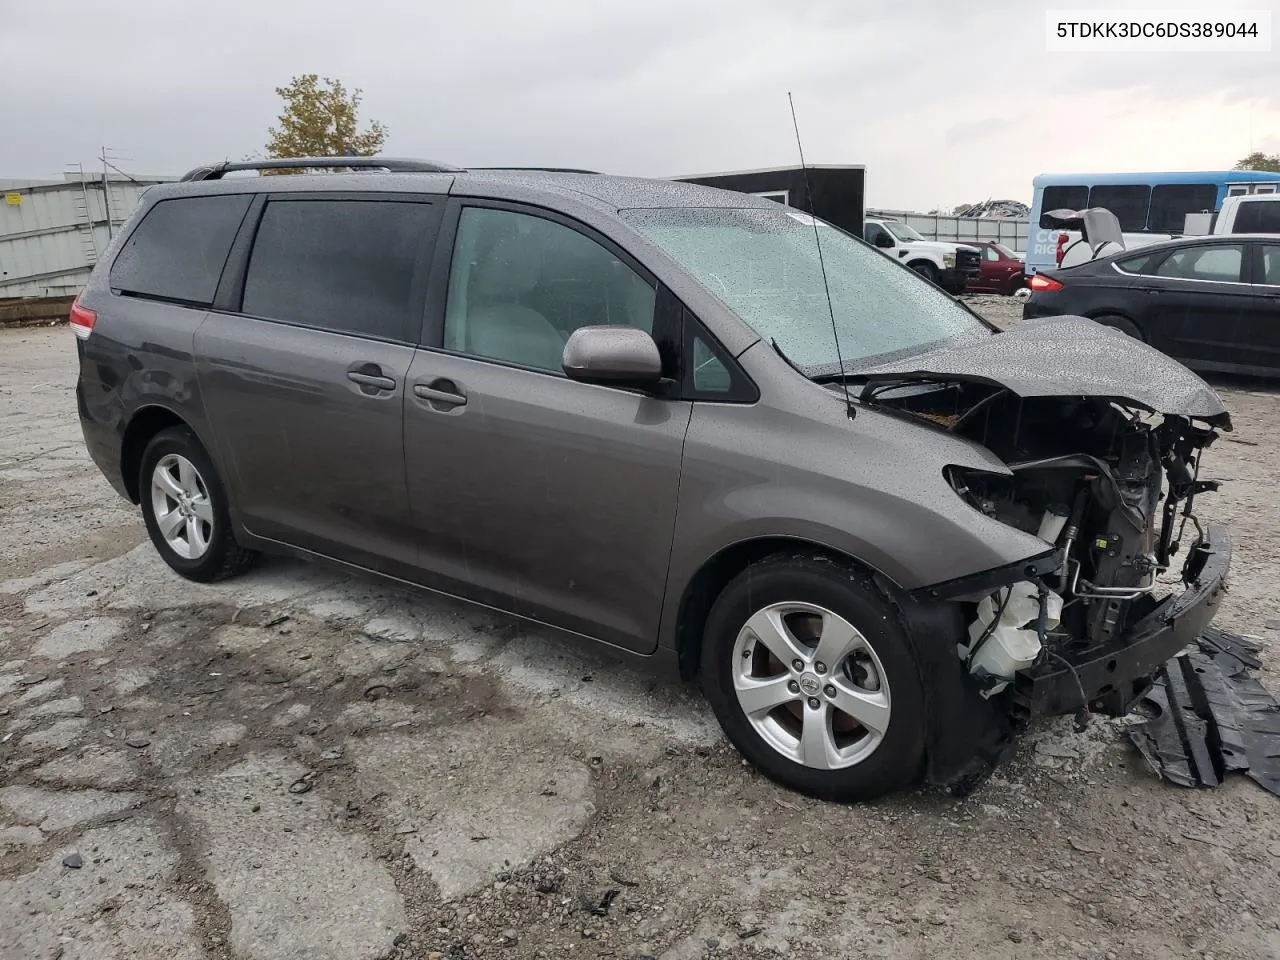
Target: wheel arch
pixel 145 423
pixel 715 573
pixel 1099 316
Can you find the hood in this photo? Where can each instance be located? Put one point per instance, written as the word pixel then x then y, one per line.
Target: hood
pixel 1066 357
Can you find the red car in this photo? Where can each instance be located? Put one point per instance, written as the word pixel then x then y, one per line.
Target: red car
pixel 1000 269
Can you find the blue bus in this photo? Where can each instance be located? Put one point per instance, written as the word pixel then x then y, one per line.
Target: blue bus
pixel 1150 206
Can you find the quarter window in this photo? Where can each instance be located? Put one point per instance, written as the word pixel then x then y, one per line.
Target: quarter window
pixel 343 265
pixel 520 285
pixel 1218 262
pixel 179 249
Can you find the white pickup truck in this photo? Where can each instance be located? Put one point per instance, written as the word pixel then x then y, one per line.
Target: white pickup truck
pixel 1248 214
pixel 949 265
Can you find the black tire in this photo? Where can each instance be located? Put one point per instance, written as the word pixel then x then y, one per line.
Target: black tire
pixel 926 270
pixel 1123 324
pixel 1014 285
pixel 223 557
pixel 898 759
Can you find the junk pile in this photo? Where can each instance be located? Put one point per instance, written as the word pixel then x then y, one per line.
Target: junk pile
pixel 1210 717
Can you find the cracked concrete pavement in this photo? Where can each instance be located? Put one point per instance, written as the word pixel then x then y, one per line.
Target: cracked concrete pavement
pixel 302 763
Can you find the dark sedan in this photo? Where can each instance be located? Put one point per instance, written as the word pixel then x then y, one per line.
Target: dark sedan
pixel 1211 302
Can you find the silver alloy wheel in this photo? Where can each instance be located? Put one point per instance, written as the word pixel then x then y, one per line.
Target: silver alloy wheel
pixel 811 685
pixel 180 502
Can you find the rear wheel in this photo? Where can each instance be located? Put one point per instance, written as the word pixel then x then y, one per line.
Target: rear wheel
pixel 809 671
pixel 1123 324
pixel 185 509
pixel 925 269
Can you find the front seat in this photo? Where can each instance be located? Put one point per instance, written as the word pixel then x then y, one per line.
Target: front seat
pixel 498 325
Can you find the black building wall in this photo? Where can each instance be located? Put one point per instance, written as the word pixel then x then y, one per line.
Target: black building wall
pixel 838 192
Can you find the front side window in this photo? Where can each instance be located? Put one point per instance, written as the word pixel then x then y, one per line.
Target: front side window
pixel 178 251
pixel 872 232
pixel 520 285
pixel 990 253
pixel 347 266
pixel 1219 262
pixel 763 265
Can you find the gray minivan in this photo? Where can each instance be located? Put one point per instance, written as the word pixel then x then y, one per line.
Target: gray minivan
pixel 684 422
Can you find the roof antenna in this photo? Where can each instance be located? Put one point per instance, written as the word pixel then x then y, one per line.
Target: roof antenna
pixel 817 240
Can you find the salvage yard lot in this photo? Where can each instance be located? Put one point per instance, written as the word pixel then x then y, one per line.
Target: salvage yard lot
pixel 300 763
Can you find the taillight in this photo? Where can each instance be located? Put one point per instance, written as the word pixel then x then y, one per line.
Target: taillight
pixel 82 320
pixel 1062 247
pixel 1042 284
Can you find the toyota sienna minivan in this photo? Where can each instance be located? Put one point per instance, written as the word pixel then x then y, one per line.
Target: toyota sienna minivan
pixel 687 423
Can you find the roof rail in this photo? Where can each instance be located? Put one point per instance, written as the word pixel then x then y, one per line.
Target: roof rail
pixel 391 164
pixel 539 170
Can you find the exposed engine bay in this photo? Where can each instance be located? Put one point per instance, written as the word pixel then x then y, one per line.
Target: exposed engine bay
pixel 1110 488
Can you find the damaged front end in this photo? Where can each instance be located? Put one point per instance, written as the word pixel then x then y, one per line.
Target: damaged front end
pixel 1110 484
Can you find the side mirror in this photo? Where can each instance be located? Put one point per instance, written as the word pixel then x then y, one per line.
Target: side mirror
pixel 612 355
pixel 884 240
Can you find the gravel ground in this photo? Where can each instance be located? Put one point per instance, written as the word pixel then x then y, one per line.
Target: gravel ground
pixel 304 764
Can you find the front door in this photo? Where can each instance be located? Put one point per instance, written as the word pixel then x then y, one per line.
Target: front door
pixel 531 492
pixel 304 384
pixel 1261 346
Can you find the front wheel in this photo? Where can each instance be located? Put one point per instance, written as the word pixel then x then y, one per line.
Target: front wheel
pixel 926 270
pixel 185 509
pixel 809 671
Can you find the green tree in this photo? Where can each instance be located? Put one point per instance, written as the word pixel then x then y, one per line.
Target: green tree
pixel 1260 161
pixel 321 119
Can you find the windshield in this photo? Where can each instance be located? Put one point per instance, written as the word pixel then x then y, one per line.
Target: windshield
pixel 902 231
pixel 1005 250
pixel 763 264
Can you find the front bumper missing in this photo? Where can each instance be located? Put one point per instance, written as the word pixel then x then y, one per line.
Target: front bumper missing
pixel 1109 678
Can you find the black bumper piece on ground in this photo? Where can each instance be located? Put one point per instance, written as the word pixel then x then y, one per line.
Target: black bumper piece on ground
pixel 1211 717
pixel 1108 679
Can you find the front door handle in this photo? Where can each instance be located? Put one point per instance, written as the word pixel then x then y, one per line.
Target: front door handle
pixel 371 380
pixel 440 394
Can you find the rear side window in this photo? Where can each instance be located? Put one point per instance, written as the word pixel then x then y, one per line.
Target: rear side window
pixel 348 266
pixel 1062 198
pixel 1128 203
pixel 1257 216
pixel 1171 202
pixel 179 249
pixel 1220 263
pixel 1141 264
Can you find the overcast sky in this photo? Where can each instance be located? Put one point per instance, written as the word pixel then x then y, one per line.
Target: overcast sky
pixel 944 101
